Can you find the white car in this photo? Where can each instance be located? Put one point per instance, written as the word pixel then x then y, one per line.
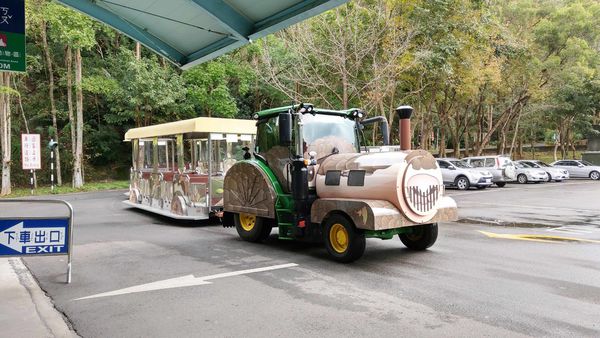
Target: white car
pixel 579 168
pixel 461 175
pixel 527 173
pixel 502 168
pixel 556 174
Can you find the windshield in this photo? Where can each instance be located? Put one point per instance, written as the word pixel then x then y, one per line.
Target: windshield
pixel 326 131
pixel 542 164
pixel 461 164
pixel 521 165
pixel 586 163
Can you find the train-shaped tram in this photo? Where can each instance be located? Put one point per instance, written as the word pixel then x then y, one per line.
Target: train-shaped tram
pixel 305 175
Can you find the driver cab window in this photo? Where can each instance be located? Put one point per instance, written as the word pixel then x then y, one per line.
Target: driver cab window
pixel 443 165
pixel 267 135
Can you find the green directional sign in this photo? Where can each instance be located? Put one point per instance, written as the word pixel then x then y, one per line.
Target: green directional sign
pixel 12 35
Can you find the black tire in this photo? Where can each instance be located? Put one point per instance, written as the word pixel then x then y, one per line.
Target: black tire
pixel 421 237
pixel 259 231
pixel 462 183
pixel 550 178
pixel 594 175
pixel 500 184
pixel 354 239
pixel 522 178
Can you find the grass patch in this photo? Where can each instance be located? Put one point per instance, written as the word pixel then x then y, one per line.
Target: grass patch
pixel 91 186
pixel 548 156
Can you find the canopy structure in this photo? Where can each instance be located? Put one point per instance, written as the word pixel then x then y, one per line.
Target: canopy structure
pixel 196 126
pixel 189 32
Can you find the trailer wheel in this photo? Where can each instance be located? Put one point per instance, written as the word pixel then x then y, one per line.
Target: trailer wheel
pixel 421 238
pixel 343 242
pixel 252 228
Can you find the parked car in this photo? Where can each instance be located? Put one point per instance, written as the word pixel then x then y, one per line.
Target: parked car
pixel 501 167
pixel 461 175
pixel 579 168
pixel 556 174
pixel 527 173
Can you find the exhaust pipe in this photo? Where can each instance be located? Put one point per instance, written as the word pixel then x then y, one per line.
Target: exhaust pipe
pixel 404 113
pixel 385 133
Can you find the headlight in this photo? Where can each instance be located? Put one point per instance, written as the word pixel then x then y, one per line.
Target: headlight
pixel 474 176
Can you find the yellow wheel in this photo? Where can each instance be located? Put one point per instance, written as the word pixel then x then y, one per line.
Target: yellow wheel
pixel 343 241
pixel 338 237
pixel 247 221
pixel 252 228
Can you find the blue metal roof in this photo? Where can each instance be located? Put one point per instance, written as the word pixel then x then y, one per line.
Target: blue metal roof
pixel 189 32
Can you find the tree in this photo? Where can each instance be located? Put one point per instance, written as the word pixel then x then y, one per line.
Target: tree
pixel 5 131
pixel 76 31
pixel 213 86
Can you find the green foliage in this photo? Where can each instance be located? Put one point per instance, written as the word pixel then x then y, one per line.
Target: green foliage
pixel 212 87
pixel 477 72
pixel 142 90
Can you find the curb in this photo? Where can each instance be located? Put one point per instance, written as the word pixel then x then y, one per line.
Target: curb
pixel 52 318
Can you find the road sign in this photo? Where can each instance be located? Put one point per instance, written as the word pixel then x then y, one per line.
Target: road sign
pixel 31 151
pixel 12 35
pixel 34 236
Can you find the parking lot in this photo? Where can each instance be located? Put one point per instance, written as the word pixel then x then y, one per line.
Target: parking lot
pixel 571 203
pixel 136 274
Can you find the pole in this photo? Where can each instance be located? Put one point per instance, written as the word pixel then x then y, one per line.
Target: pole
pixel 31 180
pixel 52 167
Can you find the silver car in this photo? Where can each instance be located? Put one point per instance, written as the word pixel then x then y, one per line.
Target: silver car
pixel 461 175
pixel 579 168
pixel 527 173
pixel 502 168
pixel 556 174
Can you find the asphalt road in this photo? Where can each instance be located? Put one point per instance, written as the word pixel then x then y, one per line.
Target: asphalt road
pixel 467 284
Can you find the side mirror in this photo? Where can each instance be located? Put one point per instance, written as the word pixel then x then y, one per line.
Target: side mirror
pixel 285 129
pixel 451 168
pixel 580 165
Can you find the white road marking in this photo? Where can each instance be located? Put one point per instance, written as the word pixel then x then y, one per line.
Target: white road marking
pixel 525 206
pixel 573 229
pixel 188 280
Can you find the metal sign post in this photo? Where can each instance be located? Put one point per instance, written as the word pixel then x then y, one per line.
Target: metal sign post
pixel 38 236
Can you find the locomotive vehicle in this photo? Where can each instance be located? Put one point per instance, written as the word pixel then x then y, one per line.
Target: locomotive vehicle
pixel 308 177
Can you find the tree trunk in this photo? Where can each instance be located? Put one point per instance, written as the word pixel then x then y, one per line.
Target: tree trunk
pixel 51 98
pixel 442 149
pixel 78 160
pixel 5 134
pixel 69 65
pixel 556 143
pixel 515 133
pixel 26 124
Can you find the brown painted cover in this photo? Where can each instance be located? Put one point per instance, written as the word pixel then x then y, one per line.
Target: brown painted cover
pixel 247 189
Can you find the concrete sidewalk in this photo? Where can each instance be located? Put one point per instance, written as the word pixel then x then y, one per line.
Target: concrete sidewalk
pixel 25 311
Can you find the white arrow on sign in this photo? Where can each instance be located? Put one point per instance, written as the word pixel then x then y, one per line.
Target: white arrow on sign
pixel 184 281
pixel 11 237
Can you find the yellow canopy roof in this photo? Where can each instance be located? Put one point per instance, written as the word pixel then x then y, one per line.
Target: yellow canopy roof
pixel 196 125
